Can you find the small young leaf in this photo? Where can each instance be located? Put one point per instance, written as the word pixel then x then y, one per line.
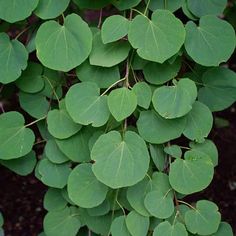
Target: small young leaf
pixel 125 160
pixel 143 93
pixel 159 204
pixel 85 105
pixel 118 227
pixel 15 140
pixel 175 101
pixel 53 152
pixel 219 91
pixel 31 80
pixel 53 200
pixel 136 195
pixel 54 175
pixel 79 141
pixel 35 105
pixel 122 103
pixel 21 166
pixel 197 171
pixel 114 28
pixel 199 122
pixel 61 223
pixel 204 220
pixel 156 73
pixel 155 129
pixel 102 76
pixel 208 148
pixel 137 224
pixel 108 55
pixel 174 151
pixel 60 124
pixel 223 230
pixel 166 229
pixel 84 189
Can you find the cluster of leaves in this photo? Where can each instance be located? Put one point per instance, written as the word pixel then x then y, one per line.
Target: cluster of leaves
pixel 111 103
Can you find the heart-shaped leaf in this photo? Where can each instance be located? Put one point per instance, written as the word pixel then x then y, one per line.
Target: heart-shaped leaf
pixel 120 162
pixel 164 35
pixel 68 46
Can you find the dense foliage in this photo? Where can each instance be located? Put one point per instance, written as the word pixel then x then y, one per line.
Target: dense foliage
pixel 110 102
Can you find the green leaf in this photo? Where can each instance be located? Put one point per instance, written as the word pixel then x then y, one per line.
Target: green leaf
pixel 158 156
pixel 100 210
pixel 155 129
pixel 159 204
pixel 98 224
pixel 61 223
pixel 215 46
pixel 223 230
pixel 120 161
pixel 164 35
pixel 53 200
pixel 91 4
pixel 156 73
pixel 48 9
pixel 21 166
pixel 53 152
pixel 84 189
pixel 204 220
pixel 31 80
pixel 53 84
pixel 174 151
pixel 136 195
pixel 85 105
pixel 137 224
pixel 13 11
pixel 15 140
pixel 199 122
pixel 143 93
pixel 79 141
pixel 219 91
pixel 192 174
pixel 208 148
pixel 60 124
pixel 114 28
pixel 171 5
pixel 118 227
pixel 68 47
pixel 206 7
pixel 13 57
pixel 166 229
pixel 54 175
pixel 108 55
pixel 160 182
pixel 175 101
pixel 122 102
pixel 102 76
pixel 35 105
pixel 124 4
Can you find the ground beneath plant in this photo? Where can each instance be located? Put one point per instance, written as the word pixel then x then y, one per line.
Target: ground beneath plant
pixel 21 197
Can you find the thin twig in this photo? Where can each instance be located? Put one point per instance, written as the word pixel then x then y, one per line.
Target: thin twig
pixel 36 121
pixel 100 19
